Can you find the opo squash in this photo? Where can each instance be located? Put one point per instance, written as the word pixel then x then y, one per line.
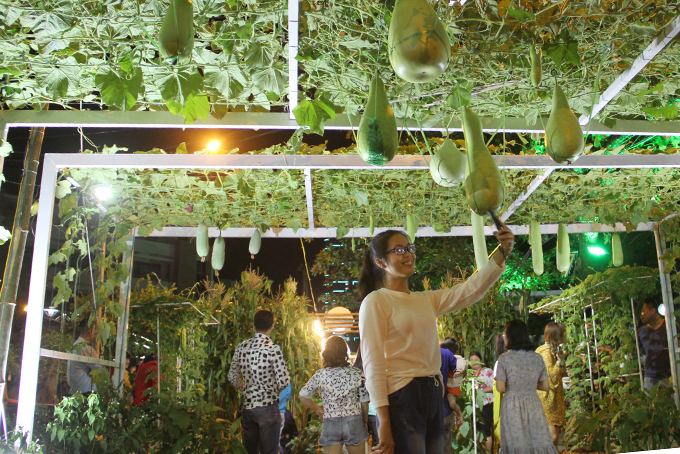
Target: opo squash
pixel 377 138
pixel 479 240
pixel 617 251
pixel 411 227
pixel 536 247
pixel 371 225
pixel 484 186
pixel 563 249
pixel 418 45
pixel 447 166
pixel 255 241
pixel 563 135
pixel 176 38
pixel 202 245
pixel 218 254
pixel 536 70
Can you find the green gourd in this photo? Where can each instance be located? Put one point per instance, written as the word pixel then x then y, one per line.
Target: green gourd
pixel 536 70
pixel 411 227
pixel 418 45
pixel 254 245
pixel 563 135
pixel 536 247
pixel 202 244
pixel 479 240
pixel 484 186
pixel 447 166
pixel 617 251
pixel 371 225
pixel 377 138
pixel 176 38
pixel 563 249
pixel 218 255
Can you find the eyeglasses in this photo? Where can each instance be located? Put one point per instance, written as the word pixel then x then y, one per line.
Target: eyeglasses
pixel 401 250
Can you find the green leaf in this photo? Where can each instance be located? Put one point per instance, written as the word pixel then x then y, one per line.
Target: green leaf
pixel 313 114
pixel 144 230
pixel 342 231
pixel 270 80
pixel 668 112
pixel 63 189
pixel 639 415
pixel 55 80
pixel 177 86
pixel 459 97
pixel 294 224
pixel 119 90
pixel 522 16
pixel 228 81
pixel 245 31
pixel 258 56
pixel 5 148
pixel 464 429
pixel 566 50
pixel 197 106
pixel 655 88
pixel 361 197
pixel 5 235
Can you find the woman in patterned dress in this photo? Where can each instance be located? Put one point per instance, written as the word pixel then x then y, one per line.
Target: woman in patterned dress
pixel 553 356
pixel 485 374
pixel 521 371
pixel 345 400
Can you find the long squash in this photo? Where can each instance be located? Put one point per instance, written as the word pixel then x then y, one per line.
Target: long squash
pixel 255 242
pixel 447 166
pixel 536 247
pixel 176 38
pixel 202 244
pixel 371 225
pixel 217 261
pixel 563 135
pixel 479 240
pixel 411 227
pixel 418 45
pixel 617 251
pixel 536 70
pixel 377 138
pixel 484 186
pixel 563 249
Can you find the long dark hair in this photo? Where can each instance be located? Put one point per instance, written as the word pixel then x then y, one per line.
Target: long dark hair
pixel 500 345
pixel 372 277
pixel 517 333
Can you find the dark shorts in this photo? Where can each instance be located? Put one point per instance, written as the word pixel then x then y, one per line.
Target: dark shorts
pixel 348 430
pixel 487 425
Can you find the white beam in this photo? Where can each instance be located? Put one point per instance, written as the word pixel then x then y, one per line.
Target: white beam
pixel 293 23
pixel 525 195
pixel 72 357
pixel 282 120
pixel 661 40
pixel 339 162
pixel 310 198
pixel 363 232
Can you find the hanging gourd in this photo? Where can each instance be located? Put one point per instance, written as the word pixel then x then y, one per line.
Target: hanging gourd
pixel 447 166
pixel 563 249
pixel 536 247
pixel 418 44
pixel 218 255
pixel 202 245
pixel 484 186
pixel 371 225
pixel 378 138
pixel 254 245
pixel 176 38
pixel 479 240
pixel 411 227
pixel 617 251
pixel 536 71
pixel 563 135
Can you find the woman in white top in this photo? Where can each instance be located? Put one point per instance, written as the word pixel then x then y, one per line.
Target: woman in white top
pixel 345 400
pixel 399 341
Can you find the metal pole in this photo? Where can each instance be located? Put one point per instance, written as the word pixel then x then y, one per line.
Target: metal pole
pixel 158 351
pixel 36 301
pixel 667 294
pixel 637 345
pixel 590 366
pixel 122 330
pixel 474 414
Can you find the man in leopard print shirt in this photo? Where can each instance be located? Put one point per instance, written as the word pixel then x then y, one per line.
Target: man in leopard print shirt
pixel 259 371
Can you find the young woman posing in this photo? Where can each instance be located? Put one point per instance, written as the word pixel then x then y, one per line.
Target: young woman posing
pixel 399 341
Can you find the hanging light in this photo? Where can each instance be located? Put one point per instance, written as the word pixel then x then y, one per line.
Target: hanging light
pixel 51 311
pixel 214 146
pixel 597 250
pixel 102 192
pixel 661 310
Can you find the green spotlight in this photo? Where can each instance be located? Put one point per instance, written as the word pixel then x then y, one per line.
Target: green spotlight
pixel 596 250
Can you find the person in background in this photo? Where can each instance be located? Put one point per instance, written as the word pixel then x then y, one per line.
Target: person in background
pixel 654 341
pixel 553 356
pixel 497 397
pixel 259 371
pixel 145 379
pixel 373 426
pixel 486 376
pixel 448 365
pixel 345 400
pixel 520 373
pixel 455 378
pixel 285 396
pixel 79 374
pixel 399 341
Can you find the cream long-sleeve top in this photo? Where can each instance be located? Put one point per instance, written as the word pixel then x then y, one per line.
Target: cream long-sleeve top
pixel 399 331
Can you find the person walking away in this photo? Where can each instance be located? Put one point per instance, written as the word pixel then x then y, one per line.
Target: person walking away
pixel 484 374
pixel 345 400
pixel 448 365
pixel 521 371
pixel 78 373
pixel 146 379
pixel 399 344
pixel 259 371
pixel 497 397
pixel 553 400
pixel 454 380
pixel 654 340
pixel 284 397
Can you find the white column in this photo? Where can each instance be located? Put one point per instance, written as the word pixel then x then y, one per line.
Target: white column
pixel 36 300
pixel 122 330
pixel 293 18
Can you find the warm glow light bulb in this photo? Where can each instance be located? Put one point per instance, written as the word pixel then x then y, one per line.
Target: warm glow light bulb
pixel 318 329
pixel 102 192
pixel 213 146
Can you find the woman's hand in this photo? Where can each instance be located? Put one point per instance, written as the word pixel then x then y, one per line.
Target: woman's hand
pixel 561 355
pixel 319 412
pixel 386 445
pixel 507 240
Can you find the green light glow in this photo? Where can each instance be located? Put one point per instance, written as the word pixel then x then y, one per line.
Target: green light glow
pixel 596 250
pixel 590 237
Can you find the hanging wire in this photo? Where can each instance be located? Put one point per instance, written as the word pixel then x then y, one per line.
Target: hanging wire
pixel 311 290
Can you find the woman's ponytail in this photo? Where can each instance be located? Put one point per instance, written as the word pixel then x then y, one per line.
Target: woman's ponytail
pixel 367 277
pixel 371 276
